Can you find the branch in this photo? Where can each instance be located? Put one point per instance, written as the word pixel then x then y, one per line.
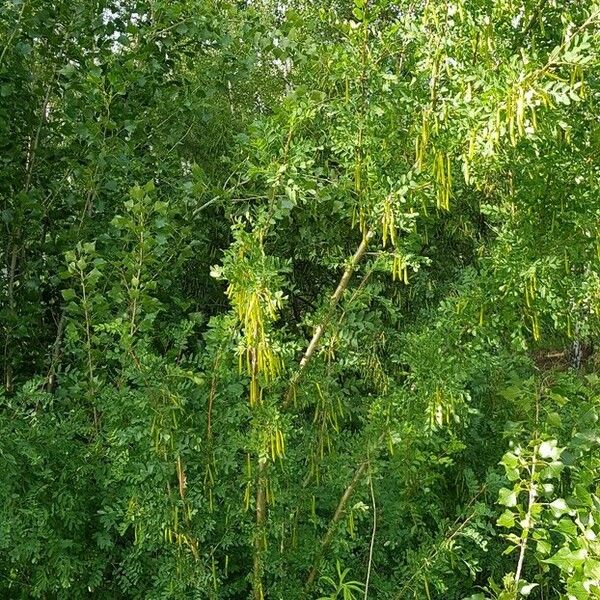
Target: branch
pixel 530 501
pixel 259 539
pixel 340 511
pixel 11 304
pixel 528 524
pixel 14 32
pixel 373 532
pixel 56 352
pixel 455 529
pixel 333 302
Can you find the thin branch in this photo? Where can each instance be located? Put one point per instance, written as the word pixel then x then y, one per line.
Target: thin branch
pixel 530 499
pixel 333 302
pixel 11 305
pixel 259 541
pixel 56 353
pixel 36 140
pixel 30 161
pixel 181 138
pixel 528 515
pixel 373 533
pixel 455 529
pixel 14 32
pixel 211 396
pixel 340 511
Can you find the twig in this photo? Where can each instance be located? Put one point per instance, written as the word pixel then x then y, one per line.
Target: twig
pixel 527 528
pixel 14 32
pixel 56 352
pixel 373 533
pixel 455 529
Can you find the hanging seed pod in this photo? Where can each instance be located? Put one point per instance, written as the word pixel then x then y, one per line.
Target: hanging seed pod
pixel 520 113
pixel 388 222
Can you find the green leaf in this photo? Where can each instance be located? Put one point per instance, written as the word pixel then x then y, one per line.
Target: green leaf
pixel 507 497
pixel 506 519
pixel 69 294
pixel 559 507
pixel 543 547
pixel 510 461
pixel 568 560
pixel 549 449
pixel 526 588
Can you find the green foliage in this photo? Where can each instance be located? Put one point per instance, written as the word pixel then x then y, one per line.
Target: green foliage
pixel 299 300
pixel 345 590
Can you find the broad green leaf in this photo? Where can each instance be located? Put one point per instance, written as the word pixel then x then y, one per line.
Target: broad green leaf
pixel 567 560
pixel 507 497
pixel 506 519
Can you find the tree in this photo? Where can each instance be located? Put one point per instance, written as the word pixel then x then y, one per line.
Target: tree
pixel 289 296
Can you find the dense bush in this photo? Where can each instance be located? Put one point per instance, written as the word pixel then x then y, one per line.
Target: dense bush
pixel 298 299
